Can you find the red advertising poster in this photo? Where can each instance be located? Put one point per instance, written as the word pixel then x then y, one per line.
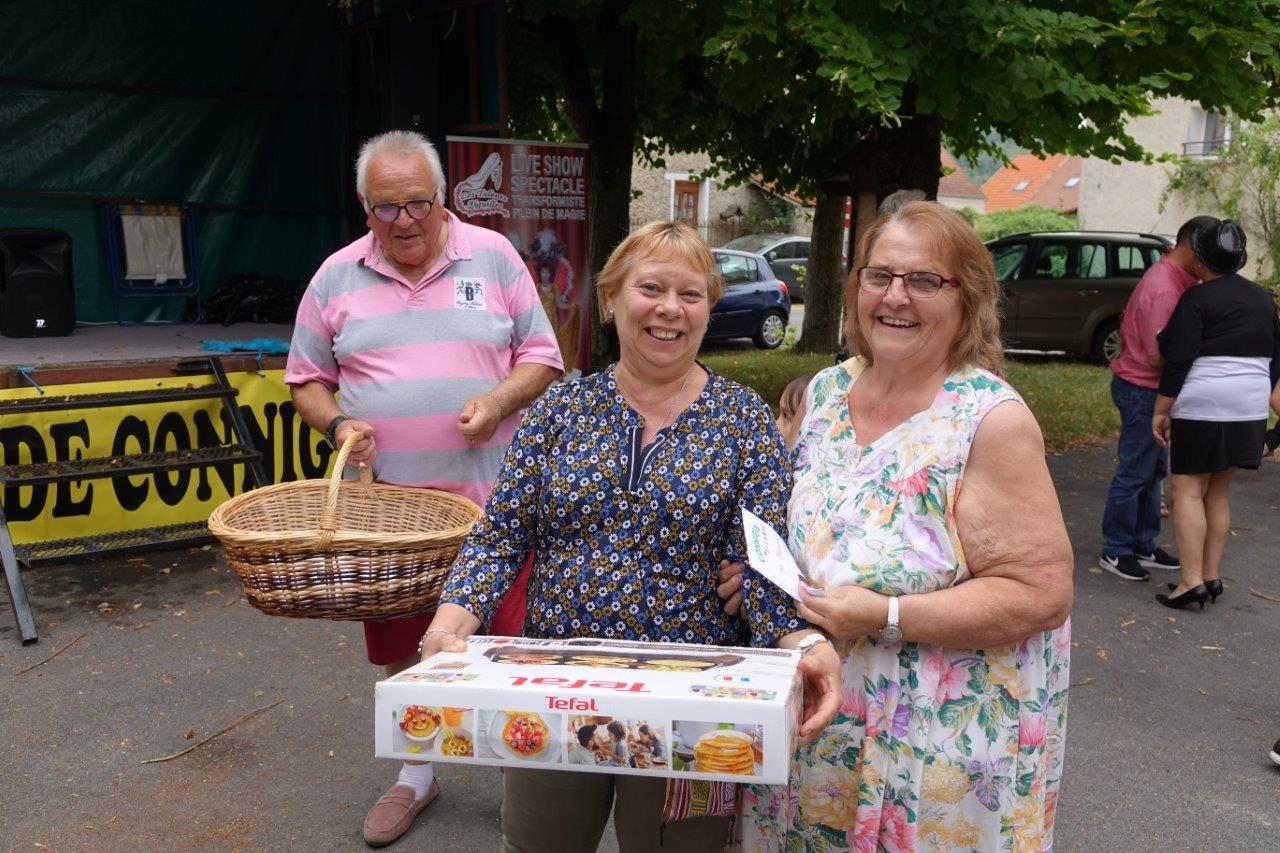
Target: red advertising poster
pixel 536 194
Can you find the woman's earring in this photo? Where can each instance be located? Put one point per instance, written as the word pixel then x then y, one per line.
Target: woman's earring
pixel 609 314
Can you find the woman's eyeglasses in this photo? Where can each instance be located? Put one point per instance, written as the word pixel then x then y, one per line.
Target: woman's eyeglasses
pixel 418 208
pixel 920 285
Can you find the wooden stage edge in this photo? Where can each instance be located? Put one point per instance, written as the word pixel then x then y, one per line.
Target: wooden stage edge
pixel 107 352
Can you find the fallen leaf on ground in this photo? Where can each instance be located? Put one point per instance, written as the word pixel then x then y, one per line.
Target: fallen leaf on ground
pixel 1126 623
pixel 190 734
pixel 1102 653
pixel 1082 682
pixel 166 679
pixel 1204 692
pixel 1171 618
pixel 1094 570
pixel 1261 594
pixel 165 570
pixel 330 755
pixel 1214 648
pixel 213 592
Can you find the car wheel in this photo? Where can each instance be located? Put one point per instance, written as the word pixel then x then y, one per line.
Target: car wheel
pixel 771 331
pixel 1106 341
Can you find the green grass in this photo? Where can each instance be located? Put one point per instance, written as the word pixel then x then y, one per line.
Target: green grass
pixel 767 371
pixel 1070 399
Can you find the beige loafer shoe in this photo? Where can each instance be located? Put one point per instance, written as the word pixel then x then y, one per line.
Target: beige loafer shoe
pixel 393 813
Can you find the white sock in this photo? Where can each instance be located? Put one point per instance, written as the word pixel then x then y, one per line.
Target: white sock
pixel 418 777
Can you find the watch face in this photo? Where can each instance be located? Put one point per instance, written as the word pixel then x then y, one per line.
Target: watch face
pixel 891 633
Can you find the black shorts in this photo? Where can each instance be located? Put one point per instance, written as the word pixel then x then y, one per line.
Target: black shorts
pixel 1207 447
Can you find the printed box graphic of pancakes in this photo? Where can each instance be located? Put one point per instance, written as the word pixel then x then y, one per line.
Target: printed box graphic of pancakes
pixel 725 751
pixel 664 661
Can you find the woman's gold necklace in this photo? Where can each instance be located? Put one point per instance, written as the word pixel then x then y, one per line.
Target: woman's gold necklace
pixel 674 400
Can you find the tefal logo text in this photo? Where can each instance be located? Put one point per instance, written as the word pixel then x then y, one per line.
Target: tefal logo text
pixel 578 684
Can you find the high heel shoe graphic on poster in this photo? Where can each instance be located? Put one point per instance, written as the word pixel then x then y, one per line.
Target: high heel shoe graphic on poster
pixel 1195 595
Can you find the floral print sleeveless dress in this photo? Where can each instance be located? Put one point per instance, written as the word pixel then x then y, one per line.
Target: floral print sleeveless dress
pixel 934 748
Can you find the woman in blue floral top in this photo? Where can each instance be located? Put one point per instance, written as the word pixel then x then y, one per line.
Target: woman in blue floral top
pixel 627 487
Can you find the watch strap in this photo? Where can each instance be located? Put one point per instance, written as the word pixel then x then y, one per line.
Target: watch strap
pixel 331 430
pixel 810 641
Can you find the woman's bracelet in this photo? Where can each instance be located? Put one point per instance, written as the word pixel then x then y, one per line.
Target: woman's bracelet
pixel 431 631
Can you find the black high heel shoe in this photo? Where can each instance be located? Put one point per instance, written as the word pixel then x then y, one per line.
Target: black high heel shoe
pixel 1195 595
pixel 1214 588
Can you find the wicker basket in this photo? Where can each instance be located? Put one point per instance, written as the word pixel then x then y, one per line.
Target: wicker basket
pixel 340 549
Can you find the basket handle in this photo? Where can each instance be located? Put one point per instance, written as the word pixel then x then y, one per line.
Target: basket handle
pixel 327 525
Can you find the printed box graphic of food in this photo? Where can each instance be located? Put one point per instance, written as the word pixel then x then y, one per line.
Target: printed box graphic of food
pixel 522 735
pixel 431 730
pixel 724 748
pixel 662 661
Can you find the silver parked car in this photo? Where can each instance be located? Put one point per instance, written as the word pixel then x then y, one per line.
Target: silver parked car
pixel 786 254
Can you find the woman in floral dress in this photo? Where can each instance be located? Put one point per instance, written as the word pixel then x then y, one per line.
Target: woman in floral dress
pixel 950 735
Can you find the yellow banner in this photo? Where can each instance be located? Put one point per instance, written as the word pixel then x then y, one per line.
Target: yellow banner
pixel 291 451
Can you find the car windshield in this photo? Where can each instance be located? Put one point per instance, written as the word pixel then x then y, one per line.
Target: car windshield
pixel 751 242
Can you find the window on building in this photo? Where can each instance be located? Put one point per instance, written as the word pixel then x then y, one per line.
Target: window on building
pixel 1071 182
pixel 1207 133
pixel 687 202
pixel 1021 185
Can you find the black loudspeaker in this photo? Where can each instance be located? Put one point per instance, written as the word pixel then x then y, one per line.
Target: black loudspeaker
pixel 37 296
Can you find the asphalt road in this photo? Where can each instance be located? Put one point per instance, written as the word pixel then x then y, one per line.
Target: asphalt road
pixel 1171 713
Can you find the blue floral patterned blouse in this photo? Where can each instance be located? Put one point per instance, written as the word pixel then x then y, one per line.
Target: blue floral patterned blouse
pixel 627 542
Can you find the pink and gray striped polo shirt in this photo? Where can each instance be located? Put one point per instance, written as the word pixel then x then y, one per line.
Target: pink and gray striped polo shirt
pixel 407 356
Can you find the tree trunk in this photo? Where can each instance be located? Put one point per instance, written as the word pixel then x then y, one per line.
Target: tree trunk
pixel 608 220
pixel 604 117
pixel 824 284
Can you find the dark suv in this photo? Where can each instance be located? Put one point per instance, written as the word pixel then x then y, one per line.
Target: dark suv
pixel 1066 290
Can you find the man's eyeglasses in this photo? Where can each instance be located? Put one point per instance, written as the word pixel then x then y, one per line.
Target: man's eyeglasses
pixel 920 285
pixel 418 208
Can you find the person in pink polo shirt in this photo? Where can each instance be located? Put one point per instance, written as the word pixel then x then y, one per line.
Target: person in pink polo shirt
pixel 1131 520
pixel 432 334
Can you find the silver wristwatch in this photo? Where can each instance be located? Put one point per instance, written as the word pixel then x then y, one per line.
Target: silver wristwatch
pixel 891 633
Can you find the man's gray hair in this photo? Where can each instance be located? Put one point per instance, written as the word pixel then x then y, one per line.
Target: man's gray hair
pixel 398 142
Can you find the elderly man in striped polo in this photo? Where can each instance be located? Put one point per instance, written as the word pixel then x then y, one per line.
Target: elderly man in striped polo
pixel 433 334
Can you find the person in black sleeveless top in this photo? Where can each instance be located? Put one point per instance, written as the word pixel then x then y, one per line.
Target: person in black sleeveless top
pixel 1221 351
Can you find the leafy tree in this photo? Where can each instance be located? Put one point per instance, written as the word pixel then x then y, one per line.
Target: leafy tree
pixel 1242 181
pixel 1033 217
pixel 819 95
pixel 829 99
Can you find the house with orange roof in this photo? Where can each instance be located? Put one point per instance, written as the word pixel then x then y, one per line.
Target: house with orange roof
pixel 956 189
pixel 1052 182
